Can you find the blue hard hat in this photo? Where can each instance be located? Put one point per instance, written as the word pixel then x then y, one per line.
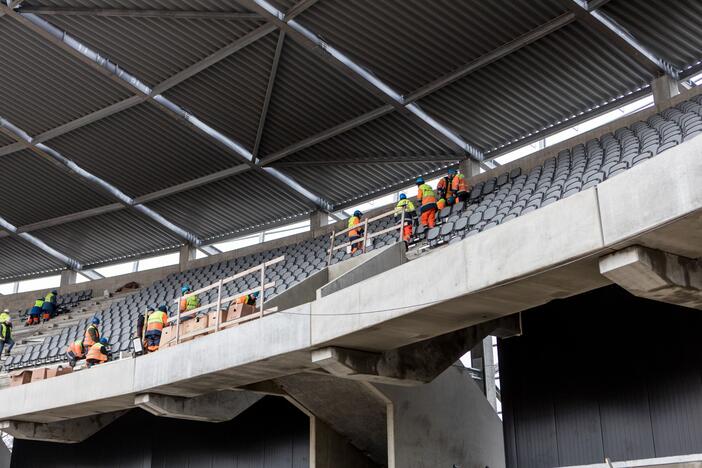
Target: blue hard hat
pixel 403 196
pixel 452 171
pixel 54 292
pixel 95 321
pixel 185 288
pixel 420 180
pixel 163 308
pixel 256 293
pixel 104 340
pixel 357 213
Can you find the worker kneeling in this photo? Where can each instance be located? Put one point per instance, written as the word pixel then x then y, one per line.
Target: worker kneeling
pixel 75 352
pixel 248 299
pixel 98 353
pixel 35 312
pixel 154 326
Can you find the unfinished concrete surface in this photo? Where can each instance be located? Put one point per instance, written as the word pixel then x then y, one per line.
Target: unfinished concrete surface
pixel 656 275
pixel 71 431
pixel 212 407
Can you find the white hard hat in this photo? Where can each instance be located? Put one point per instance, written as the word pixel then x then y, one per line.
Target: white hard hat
pixel 7 311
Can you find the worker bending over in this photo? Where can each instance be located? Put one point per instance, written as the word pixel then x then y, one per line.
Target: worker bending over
pixel 190 302
pixel 98 353
pixel 154 327
pixel 75 352
pixel 92 333
pixel 48 308
pixel 6 333
pixel 444 189
pixel 248 299
pixel 35 312
pixel 406 205
pixel 357 233
pixel 427 202
pixel 459 186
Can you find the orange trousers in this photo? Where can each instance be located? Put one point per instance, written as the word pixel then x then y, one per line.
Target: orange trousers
pixel 406 232
pixel 428 217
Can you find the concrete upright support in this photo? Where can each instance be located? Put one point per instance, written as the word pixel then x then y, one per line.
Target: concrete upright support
pixel 187 254
pixel 68 277
pixel 318 219
pixel 656 275
pixel 664 89
pixel 469 168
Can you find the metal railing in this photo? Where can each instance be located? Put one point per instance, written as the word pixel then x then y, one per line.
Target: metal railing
pixel 366 236
pixel 217 304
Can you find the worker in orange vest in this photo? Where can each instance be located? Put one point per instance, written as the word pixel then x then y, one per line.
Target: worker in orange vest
pixel 427 202
pixel 355 234
pixel 441 204
pixel 460 187
pixel 154 327
pixel 98 353
pixel 444 189
pixel 92 333
pixel 75 352
pixel 407 206
pixel 248 299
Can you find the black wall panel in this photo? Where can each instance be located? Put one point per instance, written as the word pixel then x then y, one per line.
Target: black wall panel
pixel 603 374
pixel 270 434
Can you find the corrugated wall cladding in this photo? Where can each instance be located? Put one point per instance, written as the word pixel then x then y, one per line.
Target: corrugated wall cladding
pixel 233 204
pixel 33 189
pixel 309 96
pixel 18 257
pixel 199 5
pixel 229 95
pixel 670 29
pixel 142 150
pixel 154 49
pixel 43 86
pixel 603 374
pixel 408 43
pixel 552 79
pixel 270 434
pixel 111 236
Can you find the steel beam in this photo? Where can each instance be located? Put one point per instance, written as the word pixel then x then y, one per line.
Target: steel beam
pixel 41 245
pixel 269 93
pixel 69 218
pixel 441 158
pixel 617 35
pixel 131 13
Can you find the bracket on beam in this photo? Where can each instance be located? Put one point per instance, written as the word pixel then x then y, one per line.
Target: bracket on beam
pixel 70 431
pixel 414 364
pixel 212 407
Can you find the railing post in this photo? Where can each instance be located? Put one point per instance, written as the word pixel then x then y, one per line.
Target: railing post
pixel 331 249
pixel 177 341
pixel 402 223
pixel 263 287
pixel 365 235
pixel 219 305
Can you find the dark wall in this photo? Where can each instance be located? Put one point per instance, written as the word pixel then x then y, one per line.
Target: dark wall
pixel 603 374
pixel 270 434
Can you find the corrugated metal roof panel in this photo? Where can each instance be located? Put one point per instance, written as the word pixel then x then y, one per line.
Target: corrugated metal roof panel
pixel 671 30
pixel 310 96
pixel 242 202
pixel 43 86
pixel 142 150
pixel 198 5
pixel 154 49
pixel 109 237
pixel 408 43
pixel 18 258
pixel 557 77
pixel 34 190
pixel 5 140
pixel 229 95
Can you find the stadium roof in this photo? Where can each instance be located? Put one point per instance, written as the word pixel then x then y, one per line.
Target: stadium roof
pixel 131 127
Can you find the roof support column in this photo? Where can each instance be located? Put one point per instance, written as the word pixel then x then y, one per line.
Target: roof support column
pixel 68 277
pixel 469 167
pixel 187 254
pixel 664 89
pixel 318 219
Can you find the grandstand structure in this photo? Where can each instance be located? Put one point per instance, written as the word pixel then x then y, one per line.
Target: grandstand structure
pixel 134 128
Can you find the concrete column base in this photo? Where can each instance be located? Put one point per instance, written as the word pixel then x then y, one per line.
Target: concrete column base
pixel 68 277
pixel 213 407
pixel 68 432
pixel 656 275
pixel 187 254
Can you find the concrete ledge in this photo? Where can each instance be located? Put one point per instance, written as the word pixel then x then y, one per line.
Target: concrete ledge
pixel 68 432
pixel 213 407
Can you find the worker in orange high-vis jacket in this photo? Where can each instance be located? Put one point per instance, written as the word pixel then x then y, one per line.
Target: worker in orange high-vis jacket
pixel 248 299
pixel 155 323
pixel 75 352
pixel 444 189
pixel 98 353
pixel 460 187
pixel 92 334
pixel 406 205
pixel 427 203
pixel 357 233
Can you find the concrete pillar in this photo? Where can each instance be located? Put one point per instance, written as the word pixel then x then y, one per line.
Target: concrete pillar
pixel 664 89
pixel 68 277
pixel 656 275
pixel 187 254
pixel 469 168
pixel 328 449
pixel 318 219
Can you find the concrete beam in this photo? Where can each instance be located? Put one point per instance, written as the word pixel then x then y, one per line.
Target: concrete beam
pixel 664 89
pixel 656 275
pixel 414 364
pixel 68 432
pixel 213 407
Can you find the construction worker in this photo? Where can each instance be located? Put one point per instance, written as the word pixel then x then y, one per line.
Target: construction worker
pixel 190 302
pixel 6 334
pixel 248 299
pixel 441 204
pixel 92 333
pixel 154 326
pixel 35 313
pixel 444 189
pixel 460 187
pixel 355 234
pixel 48 309
pixel 407 206
pixel 75 352
pixel 97 353
pixel 427 203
